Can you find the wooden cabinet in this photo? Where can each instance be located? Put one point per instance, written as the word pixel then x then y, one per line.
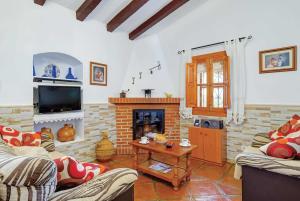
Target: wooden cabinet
pixel 211 144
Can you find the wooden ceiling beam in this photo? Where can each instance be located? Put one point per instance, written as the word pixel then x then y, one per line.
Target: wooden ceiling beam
pixel 124 14
pixel 157 17
pixel 86 8
pixel 40 2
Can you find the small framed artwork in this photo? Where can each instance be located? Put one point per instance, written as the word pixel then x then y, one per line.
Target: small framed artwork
pixel 98 74
pixel 278 60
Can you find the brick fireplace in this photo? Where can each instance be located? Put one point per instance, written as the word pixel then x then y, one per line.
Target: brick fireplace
pixel 124 118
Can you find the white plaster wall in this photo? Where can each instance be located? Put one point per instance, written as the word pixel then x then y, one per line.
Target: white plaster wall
pixel 27 29
pixel 145 54
pixel 273 24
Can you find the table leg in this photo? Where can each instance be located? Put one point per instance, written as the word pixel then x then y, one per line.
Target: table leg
pixel 188 167
pixel 136 157
pixel 175 181
pixel 149 155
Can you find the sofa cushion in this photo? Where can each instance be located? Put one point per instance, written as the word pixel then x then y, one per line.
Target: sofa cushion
pixel 293 125
pixel 11 136
pixel 72 173
pixel 31 139
pixel 47 142
pixel 14 137
pixel 25 178
pixel 286 148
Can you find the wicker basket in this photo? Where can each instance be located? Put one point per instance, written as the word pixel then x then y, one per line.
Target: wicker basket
pixel 105 148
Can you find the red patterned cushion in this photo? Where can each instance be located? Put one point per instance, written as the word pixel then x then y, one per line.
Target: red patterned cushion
pixel 14 137
pixel 287 148
pixel 293 125
pixel 72 173
pixel 11 136
pixel 31 139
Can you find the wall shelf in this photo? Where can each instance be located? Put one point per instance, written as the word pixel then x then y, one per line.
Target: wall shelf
pixel 41 79
pixel 77 139
pixel 56 117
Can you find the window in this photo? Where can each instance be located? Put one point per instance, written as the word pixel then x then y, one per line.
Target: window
pixel 207 84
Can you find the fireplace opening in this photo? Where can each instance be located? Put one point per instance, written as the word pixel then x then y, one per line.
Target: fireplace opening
pixel 147 122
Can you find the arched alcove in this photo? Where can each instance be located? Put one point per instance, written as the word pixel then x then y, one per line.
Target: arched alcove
pixel 64 63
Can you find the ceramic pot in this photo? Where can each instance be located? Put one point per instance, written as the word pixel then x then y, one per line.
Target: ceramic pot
pixel 47 132
pixel 104 148
pixel 66 133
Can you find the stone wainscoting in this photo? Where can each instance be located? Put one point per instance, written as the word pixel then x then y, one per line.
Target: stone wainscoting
pixel 97 117
pixel 259 118
pixel 18 117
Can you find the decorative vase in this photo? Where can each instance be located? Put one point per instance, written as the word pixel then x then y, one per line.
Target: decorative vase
pixel 55 71
pixel 47 132
pixel 51 70
pixel 66 133
pixel 70 75
pixel 105 148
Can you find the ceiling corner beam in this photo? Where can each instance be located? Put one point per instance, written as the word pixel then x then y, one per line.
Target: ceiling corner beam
pixel 40 2
pixel 124 14
pixel 157 17
pixel 86 8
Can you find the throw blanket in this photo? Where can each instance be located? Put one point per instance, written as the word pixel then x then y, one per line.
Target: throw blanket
pixel 255 158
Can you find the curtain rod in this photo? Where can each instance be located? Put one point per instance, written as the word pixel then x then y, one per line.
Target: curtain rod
pixel 213 44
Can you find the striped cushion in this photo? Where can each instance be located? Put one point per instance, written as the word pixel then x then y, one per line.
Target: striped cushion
pixel 25 178
pixel 260 139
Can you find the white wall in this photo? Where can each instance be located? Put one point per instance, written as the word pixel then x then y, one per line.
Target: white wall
pixel 145 54
pixel 273 24
pixel 27 29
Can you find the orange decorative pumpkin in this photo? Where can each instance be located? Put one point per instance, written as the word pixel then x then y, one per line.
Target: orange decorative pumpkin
pixel 66 133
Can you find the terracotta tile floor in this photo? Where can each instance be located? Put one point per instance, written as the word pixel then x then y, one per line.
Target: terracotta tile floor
pixel 208 183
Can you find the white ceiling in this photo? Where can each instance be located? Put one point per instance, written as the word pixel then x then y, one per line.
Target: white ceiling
pixel 107 9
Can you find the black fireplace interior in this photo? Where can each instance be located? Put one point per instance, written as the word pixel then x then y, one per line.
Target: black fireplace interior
pixel 148 121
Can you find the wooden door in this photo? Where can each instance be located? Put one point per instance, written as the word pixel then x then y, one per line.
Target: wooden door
pixel 191 85
pixel 196 138
pixel 211 147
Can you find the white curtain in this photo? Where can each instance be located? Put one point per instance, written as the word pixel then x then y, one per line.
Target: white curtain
pixel 236 51
pixel 186 57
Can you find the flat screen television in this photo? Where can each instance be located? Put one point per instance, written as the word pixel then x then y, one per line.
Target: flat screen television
pixel 58 99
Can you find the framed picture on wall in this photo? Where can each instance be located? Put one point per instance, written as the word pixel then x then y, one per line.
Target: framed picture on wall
pixel 278 60
pixel 98 74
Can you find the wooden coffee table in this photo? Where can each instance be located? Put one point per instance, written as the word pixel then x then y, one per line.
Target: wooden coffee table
pixel 177 173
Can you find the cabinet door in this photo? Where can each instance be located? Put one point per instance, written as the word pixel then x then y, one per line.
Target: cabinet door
pixel 196 138
pixel 211 147
pixel 191 85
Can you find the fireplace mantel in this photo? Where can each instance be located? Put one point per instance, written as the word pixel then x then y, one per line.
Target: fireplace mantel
pixel 144 100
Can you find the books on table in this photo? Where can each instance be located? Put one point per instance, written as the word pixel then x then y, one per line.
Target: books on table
pixel 161 167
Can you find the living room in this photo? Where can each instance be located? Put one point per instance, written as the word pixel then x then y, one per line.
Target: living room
pixel 207 85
